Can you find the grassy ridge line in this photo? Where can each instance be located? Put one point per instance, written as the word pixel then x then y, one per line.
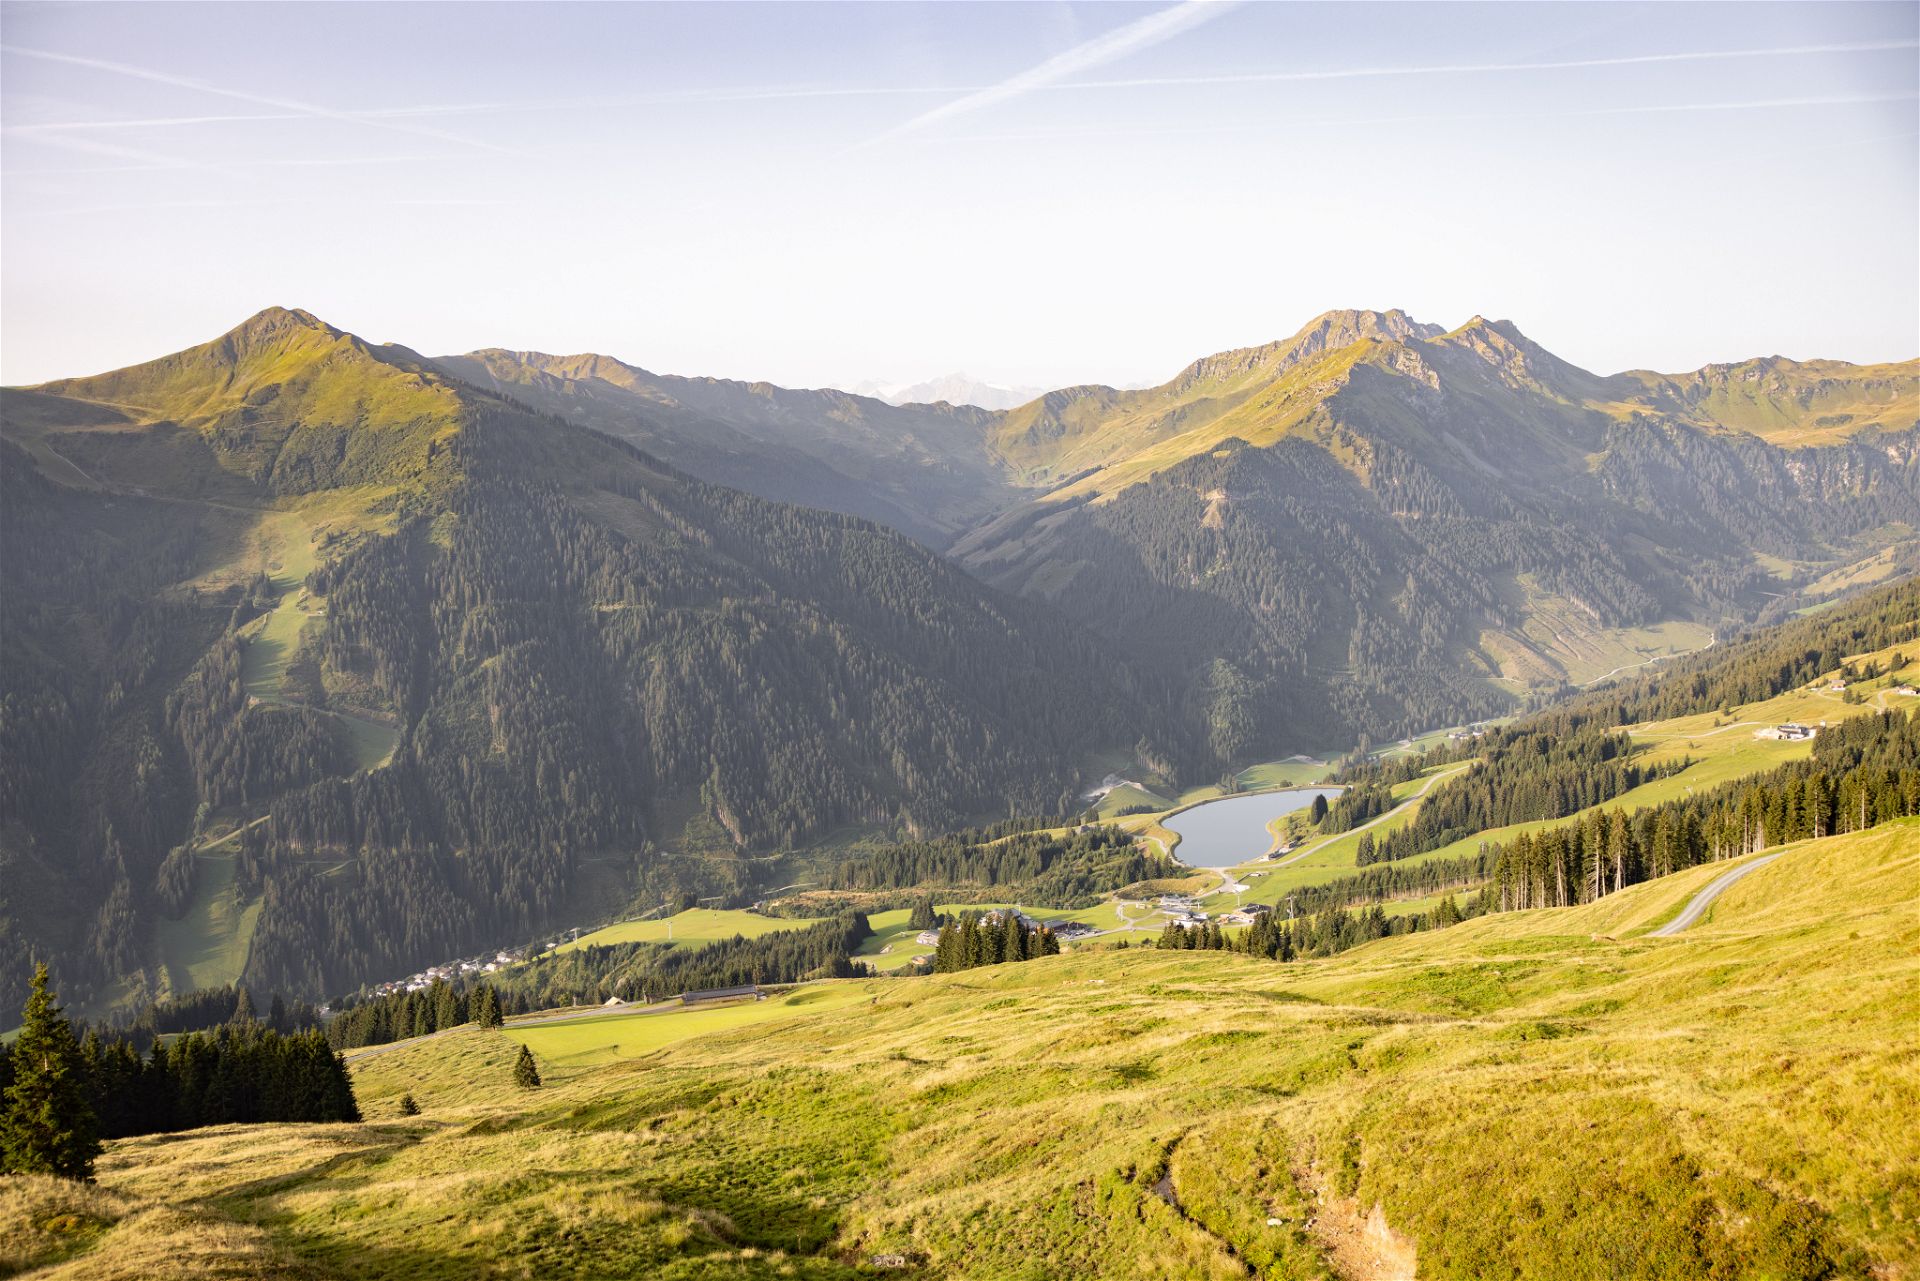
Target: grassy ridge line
pixel 1742 1087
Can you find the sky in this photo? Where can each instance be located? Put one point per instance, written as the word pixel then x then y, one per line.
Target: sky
pixel 1041 194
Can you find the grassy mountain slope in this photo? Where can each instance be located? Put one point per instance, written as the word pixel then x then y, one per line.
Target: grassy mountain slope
pixel 277 559
pixel 1726 1102
pixel 1788 402
pixel 920 468
pixel 1375 526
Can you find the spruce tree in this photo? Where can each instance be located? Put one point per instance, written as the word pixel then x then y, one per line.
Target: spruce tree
pixel 48 1124
pixel 486 1006
pixel 243 1009
pixel 525 1073
pixel 407 1106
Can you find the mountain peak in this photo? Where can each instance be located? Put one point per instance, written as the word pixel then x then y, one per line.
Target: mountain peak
pixel 1346 325
pixel 276 322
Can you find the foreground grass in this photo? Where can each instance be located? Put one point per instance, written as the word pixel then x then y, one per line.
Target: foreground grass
pixel 1543 1094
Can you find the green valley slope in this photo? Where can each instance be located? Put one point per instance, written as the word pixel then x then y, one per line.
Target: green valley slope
pixel 1549 1094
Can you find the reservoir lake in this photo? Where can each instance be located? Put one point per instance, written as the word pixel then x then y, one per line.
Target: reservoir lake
pixel 1233 829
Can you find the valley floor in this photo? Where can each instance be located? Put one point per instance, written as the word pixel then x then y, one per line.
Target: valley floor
pixel 1541 1094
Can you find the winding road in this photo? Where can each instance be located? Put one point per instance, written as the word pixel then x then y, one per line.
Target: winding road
pixel 1698 905
pixel 1373 822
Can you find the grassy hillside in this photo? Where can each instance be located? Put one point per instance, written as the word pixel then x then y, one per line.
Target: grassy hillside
pixel 1375 526
pixel 1727 1102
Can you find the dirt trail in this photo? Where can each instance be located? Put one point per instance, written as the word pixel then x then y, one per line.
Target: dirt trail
pixel 1361 1244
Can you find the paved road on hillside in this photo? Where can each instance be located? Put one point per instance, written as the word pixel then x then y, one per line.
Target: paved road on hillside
pixel 1697 907
pixel 1372 822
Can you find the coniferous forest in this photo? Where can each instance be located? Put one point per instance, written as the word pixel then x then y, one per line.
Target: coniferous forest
pixel 1001 938
pixel 60 1096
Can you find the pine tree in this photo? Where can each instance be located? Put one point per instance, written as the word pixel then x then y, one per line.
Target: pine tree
pixel 407 1106
pixel 525 1073
pixel 486 1006
pixel 922 918
pixel 242 1009
pixel 48 1125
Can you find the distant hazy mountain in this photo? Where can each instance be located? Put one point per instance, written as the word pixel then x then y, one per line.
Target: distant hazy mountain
pixel 924 469
pixel 954 389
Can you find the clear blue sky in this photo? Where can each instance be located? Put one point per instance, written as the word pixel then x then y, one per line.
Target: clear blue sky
pixel 1038 193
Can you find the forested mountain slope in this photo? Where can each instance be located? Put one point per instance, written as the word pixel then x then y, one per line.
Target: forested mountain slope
pixel 1370 527
pixel 1377 526
pixel 305 640
pixel 923 469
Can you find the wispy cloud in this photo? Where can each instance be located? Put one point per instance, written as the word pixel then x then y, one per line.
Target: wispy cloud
pixel 1052 76
pixel 138 158
pixel 1486 68
pixel 1267 126
pixel 215 205
pixel 1144 33
pixel 259 100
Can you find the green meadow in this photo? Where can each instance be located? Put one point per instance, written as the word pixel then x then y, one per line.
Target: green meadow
pixel 1734 1101
pixel 695 925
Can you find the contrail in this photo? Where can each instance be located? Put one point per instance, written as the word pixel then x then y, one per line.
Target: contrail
pixel 258 100
pixel 975 95
pixel 1267 126
pixel 1476 68
pixel 1144 33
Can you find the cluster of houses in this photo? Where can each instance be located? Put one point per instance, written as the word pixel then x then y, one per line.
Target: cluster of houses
pixel 1463 735
pixel 470 968
pixel 1791 732
pixel 473 967
pixel 1184 912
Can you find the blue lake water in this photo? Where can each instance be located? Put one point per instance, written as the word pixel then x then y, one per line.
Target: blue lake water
pixel 1233 829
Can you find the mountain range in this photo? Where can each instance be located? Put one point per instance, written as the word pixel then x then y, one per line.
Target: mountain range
pixel 349 656
pixel 958 388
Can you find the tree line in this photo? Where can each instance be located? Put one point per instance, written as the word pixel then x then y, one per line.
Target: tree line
pixel 1863 771
pixel 397 1016
pixel 1069 870
pixel 974 941
pixel 1546 767
pixel 1331 930
pixel 60 1097
pixel 206 1009
pixel 591 975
